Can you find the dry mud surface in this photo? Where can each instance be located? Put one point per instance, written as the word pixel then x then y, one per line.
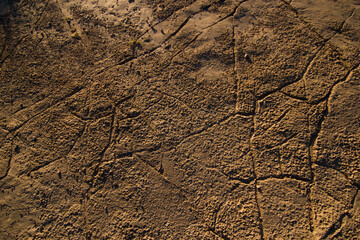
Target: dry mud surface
pixel 179 119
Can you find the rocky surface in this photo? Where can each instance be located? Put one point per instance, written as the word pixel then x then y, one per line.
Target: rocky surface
pixel 139 119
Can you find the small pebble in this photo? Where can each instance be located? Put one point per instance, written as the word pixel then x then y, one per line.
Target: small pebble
pixel 247 58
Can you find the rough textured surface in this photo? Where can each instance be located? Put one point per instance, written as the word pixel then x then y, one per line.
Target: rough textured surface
pixel 139 119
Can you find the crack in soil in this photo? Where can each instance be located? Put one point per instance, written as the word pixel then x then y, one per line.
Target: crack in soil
pixel 252 149
pixel 9 161
pixel 36 24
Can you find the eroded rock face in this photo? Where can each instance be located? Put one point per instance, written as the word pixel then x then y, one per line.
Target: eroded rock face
pixel 180 119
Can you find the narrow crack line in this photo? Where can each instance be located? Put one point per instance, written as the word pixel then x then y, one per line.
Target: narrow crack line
pixel 96 119
pixel 252 149
pixel 41 14
pixel 112 127
pixel 283 176
pixel 56 102
pixel 5 130
pixel 126 60
pixel 156 24
pixel 123 99
pixel 242 180
pixel 328 94
pixel 309 26
pixel 354 198
pixel 16 44
pixel 174 145
pixel 58 158
pixel 27 35
pixel 234 59
pixel 108 144
pixel 132 153
pixel 219 235
pixel 352 182
pixel 282 143
pixel 231 14
pixel 301 77
pixel 310 166
pixel 314 136
pixel 312 143
pixel 276 121
pixel 286 140
pixel 178 52
pixel 36 168
pixel 18 128
pixel 182 192
pixel 216 218
pixel 180 101
pixel 211 25
pixel 9 161
pixel 299 98
pixel 129 59
pixel 20 109
pixel 212 229
pixel 79 117
pixel 217 210
pixel 260 219
pixel 341 27
pixel 80 136
pixel 343 23
pixel 146 108
pixel 249 180
pixel 84 204
pixel 336 233
pixel 182 25
pixel 335 226
pixel 235 62
pixel 334 197
pixel 85 201
pixel 27 144
pixel 3 48
pixel 224 119
pixel 117 103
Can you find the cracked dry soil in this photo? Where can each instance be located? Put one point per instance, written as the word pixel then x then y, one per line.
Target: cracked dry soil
pixel 143 119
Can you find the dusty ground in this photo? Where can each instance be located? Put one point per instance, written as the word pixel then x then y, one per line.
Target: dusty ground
pixel 143 119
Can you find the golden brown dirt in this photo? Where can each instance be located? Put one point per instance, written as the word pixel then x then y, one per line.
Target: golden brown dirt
pixel 179 119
